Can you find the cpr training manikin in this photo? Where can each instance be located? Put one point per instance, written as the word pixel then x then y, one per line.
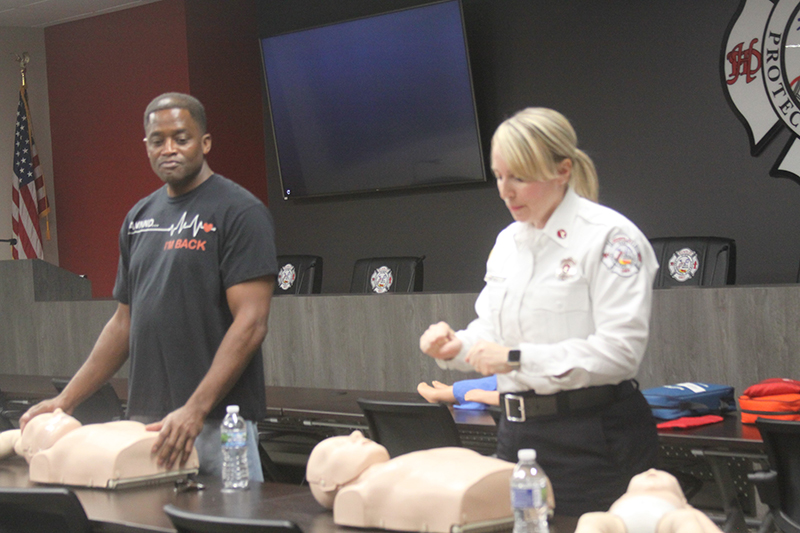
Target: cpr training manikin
pixel 653 503
pixel 434 490
pixel 428 490
pixel 60 450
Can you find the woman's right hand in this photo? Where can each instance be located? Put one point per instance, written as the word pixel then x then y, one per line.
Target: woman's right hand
pixel 440 341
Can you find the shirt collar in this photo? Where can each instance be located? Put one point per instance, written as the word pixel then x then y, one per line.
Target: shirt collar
pixel 560 224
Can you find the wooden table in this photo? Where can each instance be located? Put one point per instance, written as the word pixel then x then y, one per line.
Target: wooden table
pixel 30 388
pixel 319 413
pixel 730 450
pixel 140 510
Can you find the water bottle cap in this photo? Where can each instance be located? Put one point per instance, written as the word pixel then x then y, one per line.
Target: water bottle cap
pixel 232 409
pixel 526 455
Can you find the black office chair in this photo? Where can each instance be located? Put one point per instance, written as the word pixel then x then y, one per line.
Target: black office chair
pixel 299 274
pixel 693 261
pixel 102 406
pixel 779 487
pixel 380 275
pixel 403 427
pixel 41 510
pixel 189 522
pixel 283 441
pixel 8 413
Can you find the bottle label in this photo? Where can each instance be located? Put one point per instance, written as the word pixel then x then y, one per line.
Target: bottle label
pixel 236 438
pixel 526 498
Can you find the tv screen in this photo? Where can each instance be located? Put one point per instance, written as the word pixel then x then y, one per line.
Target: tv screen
pixel 378 103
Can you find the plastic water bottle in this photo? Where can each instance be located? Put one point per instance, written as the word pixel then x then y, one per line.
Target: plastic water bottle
pixel 233 434
pixel 529 492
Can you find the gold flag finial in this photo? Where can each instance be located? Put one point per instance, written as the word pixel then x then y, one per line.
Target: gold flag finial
pixel 23 64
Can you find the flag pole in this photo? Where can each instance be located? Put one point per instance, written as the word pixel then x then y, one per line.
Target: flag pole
pixel 23 61
pixel 23 64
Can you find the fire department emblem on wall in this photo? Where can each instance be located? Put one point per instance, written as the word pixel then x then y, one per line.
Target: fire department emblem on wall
pixel 760 67
pixel 381 279
pixel 286 276
pixel 683 264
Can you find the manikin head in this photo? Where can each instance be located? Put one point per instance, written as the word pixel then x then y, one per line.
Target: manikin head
pixel 337 461
pixel 44 430
pixel 659 484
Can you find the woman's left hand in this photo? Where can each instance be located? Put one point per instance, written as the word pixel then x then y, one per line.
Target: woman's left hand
pixel 489 358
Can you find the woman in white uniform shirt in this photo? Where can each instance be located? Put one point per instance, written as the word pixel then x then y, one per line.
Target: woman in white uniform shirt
pixel 563 319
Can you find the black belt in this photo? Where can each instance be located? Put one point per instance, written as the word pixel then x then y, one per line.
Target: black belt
pixel 520 406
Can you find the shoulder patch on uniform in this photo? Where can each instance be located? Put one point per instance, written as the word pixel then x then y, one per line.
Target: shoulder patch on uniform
pixel 621 255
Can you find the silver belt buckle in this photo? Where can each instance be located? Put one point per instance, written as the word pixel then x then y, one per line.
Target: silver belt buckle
pixel 518 404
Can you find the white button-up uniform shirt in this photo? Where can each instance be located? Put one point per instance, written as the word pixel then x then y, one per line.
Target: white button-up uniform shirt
pixel 573 297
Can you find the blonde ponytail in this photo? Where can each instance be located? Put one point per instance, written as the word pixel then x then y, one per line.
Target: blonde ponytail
pixel 584 176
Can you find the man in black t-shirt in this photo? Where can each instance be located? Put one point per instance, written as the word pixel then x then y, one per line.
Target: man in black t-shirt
pixel 195 278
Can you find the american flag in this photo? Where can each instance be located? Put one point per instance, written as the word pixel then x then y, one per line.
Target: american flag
pixel 28 196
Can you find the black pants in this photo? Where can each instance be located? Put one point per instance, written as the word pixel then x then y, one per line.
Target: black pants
pixel 589 456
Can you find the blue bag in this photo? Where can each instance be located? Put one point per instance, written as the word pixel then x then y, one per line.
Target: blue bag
pixel 690 399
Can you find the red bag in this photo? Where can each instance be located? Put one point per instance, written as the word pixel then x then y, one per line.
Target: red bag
pixel 772 387
pixel 775 398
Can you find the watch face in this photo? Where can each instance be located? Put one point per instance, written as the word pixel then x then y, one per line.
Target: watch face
pixel 513 357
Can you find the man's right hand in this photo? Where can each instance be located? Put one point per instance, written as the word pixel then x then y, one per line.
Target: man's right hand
pixel 440 341
pixel 46 406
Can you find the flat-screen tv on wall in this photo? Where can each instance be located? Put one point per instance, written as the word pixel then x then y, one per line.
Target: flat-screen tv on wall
pixel 378 103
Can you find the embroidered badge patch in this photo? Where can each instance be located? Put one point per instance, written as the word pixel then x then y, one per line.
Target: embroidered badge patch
pixel 286 276
pixel 683 264
pixel 622 257
pixel 381 279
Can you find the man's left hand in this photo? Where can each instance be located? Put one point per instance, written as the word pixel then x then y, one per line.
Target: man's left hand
pixel 489 358
pixel 176 435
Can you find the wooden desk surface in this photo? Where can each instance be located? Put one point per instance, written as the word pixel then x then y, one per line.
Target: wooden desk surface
pixel 35 388
pixel 140 510
pixel 729 435
pixel 343 404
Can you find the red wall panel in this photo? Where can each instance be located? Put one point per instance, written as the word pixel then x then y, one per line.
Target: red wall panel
pixel 101 73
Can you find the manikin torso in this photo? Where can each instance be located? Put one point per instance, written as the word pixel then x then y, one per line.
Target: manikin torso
pixel 61 451
pixel 428 490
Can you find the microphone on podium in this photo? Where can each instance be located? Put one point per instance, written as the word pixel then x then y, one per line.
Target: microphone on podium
pixel 12 241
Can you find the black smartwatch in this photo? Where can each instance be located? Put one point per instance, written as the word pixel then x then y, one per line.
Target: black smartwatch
pixel 513 359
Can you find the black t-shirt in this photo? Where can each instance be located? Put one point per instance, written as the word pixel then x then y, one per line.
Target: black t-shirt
pixel 177 258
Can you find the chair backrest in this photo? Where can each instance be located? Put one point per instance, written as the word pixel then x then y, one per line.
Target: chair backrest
pixel 41 510
pixel 403 427
pixel 686 261
pixel 102 406
pixel 189 522
pixel 380 275
pixel 299 274
pixel 782 444
pixel 5 414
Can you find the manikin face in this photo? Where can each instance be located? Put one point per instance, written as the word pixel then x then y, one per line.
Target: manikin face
pixel 336 461
pixel 530 201
pixel 176 148
pixel 657 483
